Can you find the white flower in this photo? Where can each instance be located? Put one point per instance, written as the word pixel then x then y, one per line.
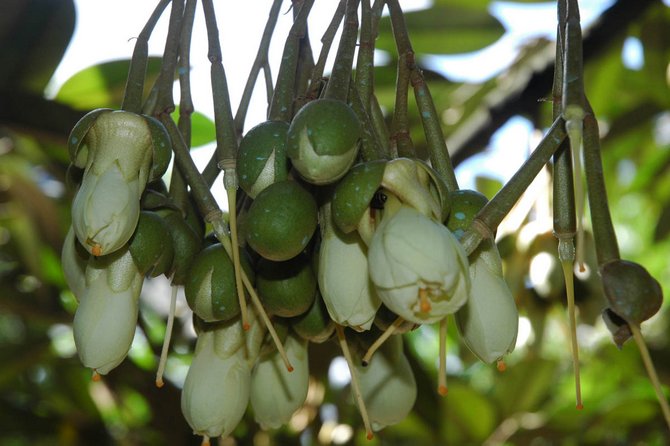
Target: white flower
pixel 104 324
pixel 418 267
pixel 74 265
pixel 387 385
pixel 216 390
pixel 106 209
pixel 277 393
pixel 489 321
pixel 343 277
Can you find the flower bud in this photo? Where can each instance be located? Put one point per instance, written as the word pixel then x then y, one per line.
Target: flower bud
pixel 261 158
pixel 489 320
pixel 104 323
pixel 73 261
pixel 418 267
pixel 387 385
pixel 275 392
pixel 216 389
pixel 409 181
pixel 343 277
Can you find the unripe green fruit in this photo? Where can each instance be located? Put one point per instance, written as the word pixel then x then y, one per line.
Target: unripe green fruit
pixel 186 245
pixel 287 288
pixel 151 245
pixel 322 140
pixel 315 325
pixel 281 221
pixel 210 285
pixel 261 157
pixel 465 204
pixel 355 192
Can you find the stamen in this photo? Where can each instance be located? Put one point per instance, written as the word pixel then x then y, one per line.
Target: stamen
pixel 354 380
pixel 423 300
pixel 381 339
pixel 501 366
pixel 205 441
pixel 95 377
pixel 166 340
pixel 442 369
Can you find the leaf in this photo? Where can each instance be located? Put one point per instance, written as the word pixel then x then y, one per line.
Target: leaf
pixel 103 85
pixel 33 38
pixel 444 29
pixel 469 411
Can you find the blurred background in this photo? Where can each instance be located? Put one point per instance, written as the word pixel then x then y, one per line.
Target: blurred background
pixel 489 66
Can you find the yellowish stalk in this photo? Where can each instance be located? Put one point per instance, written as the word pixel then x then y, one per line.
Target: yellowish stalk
pixel 651 371
pixel 442 369
pixel 570 290
pixel 219 229
pixel 166 339
pixel 381 339
pixel 232 212
pixel 354 380
pixel 574 127
pixel 205 441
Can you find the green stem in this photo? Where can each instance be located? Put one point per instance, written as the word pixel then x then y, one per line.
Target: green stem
pixel 401 135
pixel 178 190
pixel 165 101
pixel 338 84
pixel 259 63
pixel 437 144
pixel 281 108
pixel 132 98
pixel 370 146
pixel 573 84
pixel 490 216
pixel 607 248
pixel 365 61
pixel 380 128
pixel 226 138
pixel 326 44
pixel 304 68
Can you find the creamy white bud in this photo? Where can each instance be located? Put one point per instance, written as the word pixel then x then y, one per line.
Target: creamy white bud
pixel 489 321
pixel 74 265
pixel 277 393
pixel 216 389
pixel 410 183
pixel 104 323
pixel 387 385
pixel 419 269
pixel 105 210
pixel 343 277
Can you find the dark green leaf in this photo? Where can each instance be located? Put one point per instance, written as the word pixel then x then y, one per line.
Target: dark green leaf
pixel 102 85
pixel 444 29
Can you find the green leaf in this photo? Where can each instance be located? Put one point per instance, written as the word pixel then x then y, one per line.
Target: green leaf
pixel 203 130
pixel 103 85
pixel 469 412
pixel 444 29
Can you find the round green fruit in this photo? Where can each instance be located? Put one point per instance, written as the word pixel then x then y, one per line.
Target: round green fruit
pixel 151 244
pixel 465 204
pixel 281 221
pixel 322 140
pixel 354 193
pixel 287 288
pixel 261 157
pixel 315 325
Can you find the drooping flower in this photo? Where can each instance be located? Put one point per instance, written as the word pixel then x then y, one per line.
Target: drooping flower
pixel 104 323
pixel 275 392
pixel 489 320
pixel 343 276
pixel 419 269
pixel 120 151
pixel 216 389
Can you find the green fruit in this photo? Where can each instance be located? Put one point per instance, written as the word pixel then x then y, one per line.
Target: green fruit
pixel 465 204
pixel 210 286
pixel 287 288
pixel 281 221
pixel 322 140
pixel 186 245
pixel 315 325
pixel 151 244
pixel 355 192
pixel 261 157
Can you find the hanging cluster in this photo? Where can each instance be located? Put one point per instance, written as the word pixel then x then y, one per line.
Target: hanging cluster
pixel 336 231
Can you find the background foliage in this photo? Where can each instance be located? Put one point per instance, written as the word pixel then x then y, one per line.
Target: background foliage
pixel 46 397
